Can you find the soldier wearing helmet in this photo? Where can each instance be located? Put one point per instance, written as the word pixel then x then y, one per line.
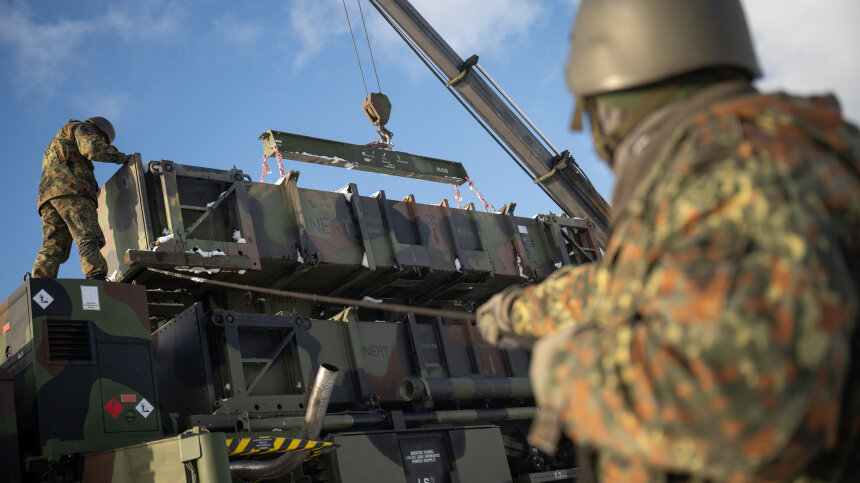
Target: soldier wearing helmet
pixel 68 195
pixel 717 339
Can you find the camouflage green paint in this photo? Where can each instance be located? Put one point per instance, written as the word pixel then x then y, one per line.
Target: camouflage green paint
pixel 472 454
pixel 84 362
pixel 361 157
pixel 67 167
pixel 9 454
pixel 330 243
pixel 718 336
pixel 64 219
pixel 192 456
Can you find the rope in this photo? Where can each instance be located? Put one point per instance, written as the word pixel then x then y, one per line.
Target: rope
pixel 457 195
pixel 480 196
pixel 450 314
pixel 355 47
pixel 368 45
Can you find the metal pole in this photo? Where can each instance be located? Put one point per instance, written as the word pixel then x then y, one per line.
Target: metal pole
pixel 520 112
pixel 449 314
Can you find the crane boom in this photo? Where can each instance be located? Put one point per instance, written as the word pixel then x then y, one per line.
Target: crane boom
pixel 557 173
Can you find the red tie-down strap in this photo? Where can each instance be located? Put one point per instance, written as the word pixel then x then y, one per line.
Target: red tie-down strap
pixel 266 169
pixel 487 206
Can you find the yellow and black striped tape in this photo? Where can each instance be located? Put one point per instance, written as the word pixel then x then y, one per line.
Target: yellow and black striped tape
pixel 271 444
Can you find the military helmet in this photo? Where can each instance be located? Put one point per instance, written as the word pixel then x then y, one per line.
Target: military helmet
pixel 621 44
pixel 104 126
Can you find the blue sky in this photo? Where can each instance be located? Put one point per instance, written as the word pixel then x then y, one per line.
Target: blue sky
pixel 197 81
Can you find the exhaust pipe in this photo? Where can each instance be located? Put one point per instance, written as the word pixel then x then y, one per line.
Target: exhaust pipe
pixel 310 430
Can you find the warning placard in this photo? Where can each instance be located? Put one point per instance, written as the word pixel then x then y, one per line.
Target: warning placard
pixel 144 408
pixel 113 407
pixel 90 297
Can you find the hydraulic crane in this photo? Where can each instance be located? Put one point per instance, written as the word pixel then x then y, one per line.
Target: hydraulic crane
pixel 556 172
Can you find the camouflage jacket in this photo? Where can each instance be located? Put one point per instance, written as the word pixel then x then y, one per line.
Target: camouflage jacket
pixel 67 167
pixel 715 336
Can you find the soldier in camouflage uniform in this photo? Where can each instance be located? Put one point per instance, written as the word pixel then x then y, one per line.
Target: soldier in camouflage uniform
pixel 68 195
pixel 718 337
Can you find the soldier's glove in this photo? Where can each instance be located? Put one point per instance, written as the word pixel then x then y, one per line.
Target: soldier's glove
pixel 546 428
pixel 494 320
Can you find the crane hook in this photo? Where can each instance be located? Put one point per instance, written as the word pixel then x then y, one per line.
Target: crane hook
pixel 377 107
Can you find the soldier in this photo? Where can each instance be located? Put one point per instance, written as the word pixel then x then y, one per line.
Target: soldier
pixel 717 337
pixel 68 196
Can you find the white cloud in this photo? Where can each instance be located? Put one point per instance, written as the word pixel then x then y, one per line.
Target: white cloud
pixel 471 27
pixel 112 105
pixel 46 51
pixel 315 23
pixel 243 35
pixel 42 50
pixel 809 47
pixel 150 20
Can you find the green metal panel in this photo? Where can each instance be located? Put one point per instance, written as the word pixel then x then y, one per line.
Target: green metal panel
pixel 192 456
pixel 361 157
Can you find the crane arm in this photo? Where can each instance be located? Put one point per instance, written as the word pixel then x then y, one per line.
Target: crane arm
pixel 557 173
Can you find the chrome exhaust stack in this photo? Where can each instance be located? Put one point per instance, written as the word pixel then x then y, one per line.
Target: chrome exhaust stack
pixel 310 430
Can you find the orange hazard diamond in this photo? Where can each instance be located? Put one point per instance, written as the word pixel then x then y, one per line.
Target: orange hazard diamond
pixel 113 407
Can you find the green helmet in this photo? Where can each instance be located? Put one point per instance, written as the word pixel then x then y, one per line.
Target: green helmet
pixel 104 126
pixel 621 44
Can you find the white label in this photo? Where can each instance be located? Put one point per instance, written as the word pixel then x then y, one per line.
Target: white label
pixel 144 408
pixel 523 229
pixel 422 456
pixel 90 297
pixel 43 298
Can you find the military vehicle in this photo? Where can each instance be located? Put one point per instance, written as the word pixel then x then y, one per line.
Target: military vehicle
pixel 254 331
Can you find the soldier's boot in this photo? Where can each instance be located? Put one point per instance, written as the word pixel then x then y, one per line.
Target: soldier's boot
pixel 93 264
pixel 56 243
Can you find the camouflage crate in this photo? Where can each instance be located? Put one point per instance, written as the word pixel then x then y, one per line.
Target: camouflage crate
pixel 217 222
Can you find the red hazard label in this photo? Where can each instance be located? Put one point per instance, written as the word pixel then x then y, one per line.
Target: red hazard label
pixel 113 407
pixel 128 398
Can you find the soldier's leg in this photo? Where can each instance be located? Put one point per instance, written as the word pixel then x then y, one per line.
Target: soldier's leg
pixel 79 213
pixel 56 243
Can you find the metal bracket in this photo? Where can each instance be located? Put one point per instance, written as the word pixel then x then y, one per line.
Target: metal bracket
pixel 464 70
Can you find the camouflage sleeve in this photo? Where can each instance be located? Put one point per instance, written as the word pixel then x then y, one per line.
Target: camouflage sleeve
pixel 730 358
pixel 554 304
pixel 92 146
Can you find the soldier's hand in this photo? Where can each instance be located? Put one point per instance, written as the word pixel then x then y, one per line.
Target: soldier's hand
pixel 546 429
pixel 494 320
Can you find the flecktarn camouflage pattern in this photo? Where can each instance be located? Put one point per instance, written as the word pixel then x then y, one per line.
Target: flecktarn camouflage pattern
pixel 67 195
pixel 716 336
pixel 65 219
pixel 67 167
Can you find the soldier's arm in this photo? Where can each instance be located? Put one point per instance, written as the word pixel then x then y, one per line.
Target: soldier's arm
pixel 738 341
pixel 93 147
pixel 554 304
